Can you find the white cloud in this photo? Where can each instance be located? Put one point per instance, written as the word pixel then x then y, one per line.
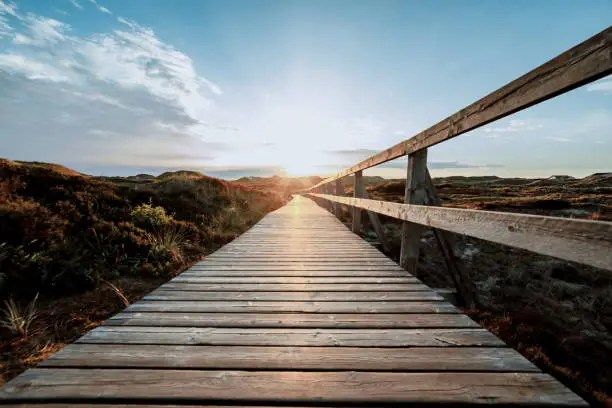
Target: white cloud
pixel 30 68
pixel 76 4
pixel 114 84
pixel 100 7
pixel 514 125
pixel 558 139
pixel 8 8
pixel 41 31
pixel 604 86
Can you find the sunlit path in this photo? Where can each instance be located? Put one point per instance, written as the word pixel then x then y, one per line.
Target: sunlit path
pixel 298 310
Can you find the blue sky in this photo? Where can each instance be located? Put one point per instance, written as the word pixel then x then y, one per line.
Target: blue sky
pixel 234 88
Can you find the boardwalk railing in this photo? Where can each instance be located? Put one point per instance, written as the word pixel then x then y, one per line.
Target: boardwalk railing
pixel 584 241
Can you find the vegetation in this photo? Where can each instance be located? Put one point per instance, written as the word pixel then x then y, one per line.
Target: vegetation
pixel 557 313
pixel 73 238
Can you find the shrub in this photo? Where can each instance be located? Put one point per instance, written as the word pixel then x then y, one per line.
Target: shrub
pixel 149 215
pixel 167 243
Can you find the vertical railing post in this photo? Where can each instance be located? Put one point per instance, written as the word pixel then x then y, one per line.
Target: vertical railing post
pixel 357 193
pixel 340 193
pixel 326 203
pixel 415 193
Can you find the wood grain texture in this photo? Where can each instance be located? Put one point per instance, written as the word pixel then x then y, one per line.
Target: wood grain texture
pixel 292 307
pixel 282 287
pixel 172 295
pixel 289 273
pixel 414 193
pixel 584 241
pixel 257 386
pixel 297 320
pixel 291 280
pixel 358 190
pixel 292 358
pixel 291 337
pixel 584 63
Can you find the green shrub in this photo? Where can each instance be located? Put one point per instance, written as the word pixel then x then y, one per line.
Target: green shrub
pixel 149 215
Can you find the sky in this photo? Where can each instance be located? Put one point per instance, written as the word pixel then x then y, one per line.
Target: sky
pixel 256 88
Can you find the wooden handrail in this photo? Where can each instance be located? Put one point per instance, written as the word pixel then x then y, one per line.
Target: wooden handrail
pixel 584 241
pixel 580 65
pixel 587 242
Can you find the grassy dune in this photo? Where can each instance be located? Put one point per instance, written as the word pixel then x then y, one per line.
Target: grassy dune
pixel 76 248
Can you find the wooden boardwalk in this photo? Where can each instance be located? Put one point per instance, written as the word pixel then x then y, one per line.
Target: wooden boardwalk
pixel 298 310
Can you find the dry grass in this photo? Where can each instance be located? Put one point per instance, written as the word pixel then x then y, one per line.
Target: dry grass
pixel 18 320
pixel 117 291
pixel 62 321
pixel 167 240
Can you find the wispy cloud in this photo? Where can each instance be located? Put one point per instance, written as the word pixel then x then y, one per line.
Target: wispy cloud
pixel 558 139
pixel 76 4
pixel 513 126
pixel 6 9
pixel 100 7
pixel 604 85
pixel 125 84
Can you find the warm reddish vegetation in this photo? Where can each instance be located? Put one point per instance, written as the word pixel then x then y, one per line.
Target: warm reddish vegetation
pixel 281 185
pixel 557 313
pixel 65 236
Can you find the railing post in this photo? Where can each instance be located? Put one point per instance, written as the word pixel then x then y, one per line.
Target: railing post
pixel 340 193
pixel 415 193
pixel 357 193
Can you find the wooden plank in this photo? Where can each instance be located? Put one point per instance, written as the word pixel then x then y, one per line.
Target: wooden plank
pixel 377 226
pixel 292 267
pixel 580 65
pixel 291 337
pixel 467 294
pixel 289 262
pixel 297 287
pixel 292 358
pixel 584 241
pixel 286 320
pixel 414 194
pixel 177 295
pixel 357 193
pixel 324 387
pixel 293 307
pixel 339 192
pixel 296 280
pixel 290 273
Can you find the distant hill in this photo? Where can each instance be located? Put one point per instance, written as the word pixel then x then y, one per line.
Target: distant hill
pixel 280 185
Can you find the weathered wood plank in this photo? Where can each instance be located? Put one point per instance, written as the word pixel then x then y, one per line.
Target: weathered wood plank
pixel 295 280
pixel 467 295
pixel 323 387
pixel 585 241
pixel 289 262
pixel 290 273
pixel 294 267
pixel 437 359
pixel 584 63
pixel 357 193
pixel 174 295
pixel 293 307
pixel 291 337
pixel 297 287
pixel 414 194
pixel 285 320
